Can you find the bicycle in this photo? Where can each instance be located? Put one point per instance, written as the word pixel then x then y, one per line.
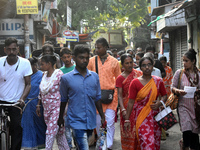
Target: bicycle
pixel 4 125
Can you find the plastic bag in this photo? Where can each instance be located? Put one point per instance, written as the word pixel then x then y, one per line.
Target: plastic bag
pixel 101 142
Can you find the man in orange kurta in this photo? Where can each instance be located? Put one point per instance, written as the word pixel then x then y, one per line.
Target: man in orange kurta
pixel 108 70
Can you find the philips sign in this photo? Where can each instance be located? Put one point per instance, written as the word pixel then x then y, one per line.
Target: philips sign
pixel 14 28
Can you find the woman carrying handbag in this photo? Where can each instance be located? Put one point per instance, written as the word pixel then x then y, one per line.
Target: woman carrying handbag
pixel 186 106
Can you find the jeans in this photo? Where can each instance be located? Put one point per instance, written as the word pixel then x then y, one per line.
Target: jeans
pixel 68 134
pixel 81 137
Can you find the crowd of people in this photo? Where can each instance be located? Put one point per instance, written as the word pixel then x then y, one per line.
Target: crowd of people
pixel 68 97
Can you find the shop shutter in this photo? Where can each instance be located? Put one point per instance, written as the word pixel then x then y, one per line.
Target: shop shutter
pixel 184 45
pixel 180 46
pixel 177 47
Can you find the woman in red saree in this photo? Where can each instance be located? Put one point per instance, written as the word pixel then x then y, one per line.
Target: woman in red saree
pixel 122 83
pixel 169 75
pixel 143 93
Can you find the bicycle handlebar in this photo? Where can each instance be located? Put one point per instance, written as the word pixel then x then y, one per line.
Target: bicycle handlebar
pixel 9 105
pixel 12 105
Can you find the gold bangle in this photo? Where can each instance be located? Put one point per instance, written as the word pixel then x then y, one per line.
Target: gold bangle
pixel 38 105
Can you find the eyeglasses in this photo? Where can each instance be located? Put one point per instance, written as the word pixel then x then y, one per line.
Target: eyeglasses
pixel 11 49
pixel 146 65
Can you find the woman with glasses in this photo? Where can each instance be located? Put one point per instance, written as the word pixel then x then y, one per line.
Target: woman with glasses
pixel 143 94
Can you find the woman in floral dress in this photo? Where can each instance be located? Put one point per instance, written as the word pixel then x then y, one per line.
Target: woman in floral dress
pixel 50 98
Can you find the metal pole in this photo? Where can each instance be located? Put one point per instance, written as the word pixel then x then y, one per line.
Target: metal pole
pixel 26 36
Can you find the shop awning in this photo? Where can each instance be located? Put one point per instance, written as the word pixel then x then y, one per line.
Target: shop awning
pixel 180 6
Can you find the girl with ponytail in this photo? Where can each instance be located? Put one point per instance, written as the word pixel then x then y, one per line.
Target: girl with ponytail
pixel 186 107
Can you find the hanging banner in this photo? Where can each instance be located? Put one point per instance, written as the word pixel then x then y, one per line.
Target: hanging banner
pixel 161 46
pixel 149 10
pixel 71 36
pixel 46 11
pixel 60 40
pixel 69 16
pixel 27 7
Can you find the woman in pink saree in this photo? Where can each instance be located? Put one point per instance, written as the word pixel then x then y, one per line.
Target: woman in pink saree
pixel 143 93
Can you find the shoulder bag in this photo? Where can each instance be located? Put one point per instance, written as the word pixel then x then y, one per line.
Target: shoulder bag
pixel 172 100
pixel 106 95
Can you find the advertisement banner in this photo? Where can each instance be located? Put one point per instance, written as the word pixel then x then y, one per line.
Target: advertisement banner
pixel 71 36
pixel 61 40
pixel 14 28
pixel 27 7
pixel 46 11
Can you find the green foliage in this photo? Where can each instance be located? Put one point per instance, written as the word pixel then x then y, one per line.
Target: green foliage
pixel 105 13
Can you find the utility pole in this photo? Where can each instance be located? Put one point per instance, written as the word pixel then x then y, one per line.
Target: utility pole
pixel 26 36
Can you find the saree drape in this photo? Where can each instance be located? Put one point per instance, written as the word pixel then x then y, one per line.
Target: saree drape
pixel 128 138
pixel 147 131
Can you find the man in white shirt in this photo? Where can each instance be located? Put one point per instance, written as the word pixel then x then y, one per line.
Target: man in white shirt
pixel 15 84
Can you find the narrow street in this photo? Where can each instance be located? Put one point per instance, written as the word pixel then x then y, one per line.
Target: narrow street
pixel 171 143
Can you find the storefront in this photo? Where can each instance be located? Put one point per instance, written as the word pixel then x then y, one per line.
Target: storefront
pixel 14 28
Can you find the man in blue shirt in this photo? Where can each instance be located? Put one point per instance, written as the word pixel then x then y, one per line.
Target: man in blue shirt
pixel 80 88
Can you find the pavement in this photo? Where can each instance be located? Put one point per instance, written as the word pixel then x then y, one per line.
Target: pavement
pixel 171 143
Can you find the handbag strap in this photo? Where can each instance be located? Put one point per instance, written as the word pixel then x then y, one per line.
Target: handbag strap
pixel 179 80
pixel 96 64
pixel 163 104
pixel 191 81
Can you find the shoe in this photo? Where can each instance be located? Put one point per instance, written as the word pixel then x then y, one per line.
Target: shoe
pixel 167 134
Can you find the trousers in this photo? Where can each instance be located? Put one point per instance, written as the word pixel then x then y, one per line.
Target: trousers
pixel 110 118
pixel 15 126
pixel 81 138
pixel 60 138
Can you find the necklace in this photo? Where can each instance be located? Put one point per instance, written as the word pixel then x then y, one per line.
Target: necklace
pixel 4 65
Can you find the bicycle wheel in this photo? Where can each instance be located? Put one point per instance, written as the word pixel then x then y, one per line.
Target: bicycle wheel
pixel 3 141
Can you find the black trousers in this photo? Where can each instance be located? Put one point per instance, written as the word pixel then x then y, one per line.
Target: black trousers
pixel 15 126
pixel 191 140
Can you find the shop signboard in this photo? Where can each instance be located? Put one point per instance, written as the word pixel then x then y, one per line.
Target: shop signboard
pixel 60 40
pixel 14 28
pixel 27 7
pixel 71 36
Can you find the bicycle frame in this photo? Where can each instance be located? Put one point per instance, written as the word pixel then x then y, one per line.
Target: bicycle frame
pixel 4 126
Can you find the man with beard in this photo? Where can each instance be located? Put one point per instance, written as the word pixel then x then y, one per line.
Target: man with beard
pixel 66 57
pixel 15 84
pixel 80 88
